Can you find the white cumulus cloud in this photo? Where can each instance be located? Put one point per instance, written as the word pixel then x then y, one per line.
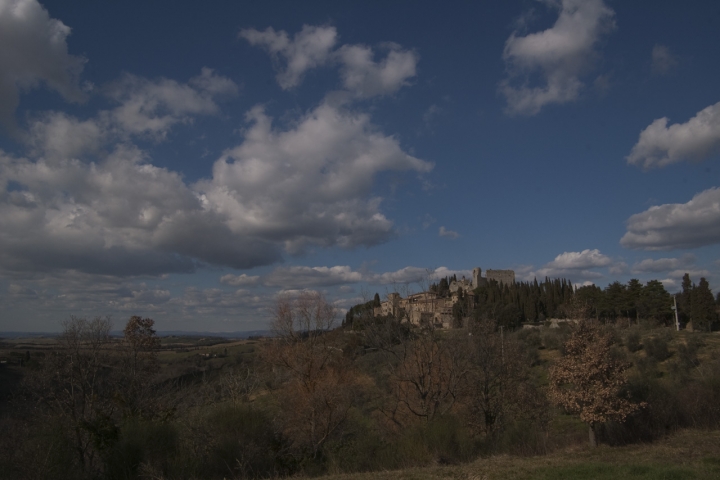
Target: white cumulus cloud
pixel 580 260
pixel 560 54
pixel 279 189
pixel 576 266
pixel 676 225
pixel 660 145
pixel 362 74
pixel 305 277
pixel 243 280
pixel 58 135
pixel 663 264
pixel 310 184
pixel 408 275
pixel 404 275
pixel 152 107
pixel 308 49
pixel 33 49
pixel 120 216
pixel 365 77
pixel 148 108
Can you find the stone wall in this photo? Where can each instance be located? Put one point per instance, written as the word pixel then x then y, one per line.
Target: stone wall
pixel 506 277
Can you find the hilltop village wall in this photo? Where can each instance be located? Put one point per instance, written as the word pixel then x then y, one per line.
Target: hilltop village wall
pixel 429 308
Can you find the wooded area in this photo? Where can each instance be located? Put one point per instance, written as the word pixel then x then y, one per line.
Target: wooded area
pixel 374 394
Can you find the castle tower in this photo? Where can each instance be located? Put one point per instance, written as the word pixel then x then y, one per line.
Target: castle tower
pixel 476 277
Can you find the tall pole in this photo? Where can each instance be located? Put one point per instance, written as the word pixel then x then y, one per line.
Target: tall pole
pixel 677 320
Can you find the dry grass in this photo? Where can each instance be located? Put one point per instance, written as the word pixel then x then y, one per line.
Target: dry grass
pixel 687 454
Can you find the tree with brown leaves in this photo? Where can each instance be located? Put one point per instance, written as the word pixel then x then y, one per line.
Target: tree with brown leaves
pixel 588 381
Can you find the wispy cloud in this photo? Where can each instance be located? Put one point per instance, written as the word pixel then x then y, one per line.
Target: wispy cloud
pixel 443 232
pixel 663 60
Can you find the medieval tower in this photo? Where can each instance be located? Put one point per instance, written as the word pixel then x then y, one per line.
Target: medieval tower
pixel 476 277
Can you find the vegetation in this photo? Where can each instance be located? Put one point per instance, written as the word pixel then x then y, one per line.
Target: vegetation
pixel 377 395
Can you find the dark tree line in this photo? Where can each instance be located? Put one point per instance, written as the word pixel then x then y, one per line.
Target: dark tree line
pixel 362 312
pixel 696 304
pixel 511 305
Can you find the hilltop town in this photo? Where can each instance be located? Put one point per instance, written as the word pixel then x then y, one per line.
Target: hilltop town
pixel 436 307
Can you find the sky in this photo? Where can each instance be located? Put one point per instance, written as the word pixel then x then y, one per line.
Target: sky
pixel 192 162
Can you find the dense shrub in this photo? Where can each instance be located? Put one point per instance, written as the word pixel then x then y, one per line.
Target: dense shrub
pixel 530 337
pixel 242 443
pixel 657 347
pixel 554 338
pixel 143 446
pixel 632 340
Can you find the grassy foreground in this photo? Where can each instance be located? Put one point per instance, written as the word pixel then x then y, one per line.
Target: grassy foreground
pixel 688 454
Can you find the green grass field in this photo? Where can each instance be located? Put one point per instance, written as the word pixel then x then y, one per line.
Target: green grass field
pixel 688 454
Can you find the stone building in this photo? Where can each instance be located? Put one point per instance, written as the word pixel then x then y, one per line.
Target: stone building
pixel 427 308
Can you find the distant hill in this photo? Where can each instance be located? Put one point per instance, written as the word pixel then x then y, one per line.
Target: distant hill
pixel 245 334
pixel 166 333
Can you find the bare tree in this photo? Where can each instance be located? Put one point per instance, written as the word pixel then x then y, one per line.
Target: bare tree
pixel 317 390
pixel 428 379
pixel 498 387
pixel 76 385
pixel 239 384
pixel 140 364
pixel 305 316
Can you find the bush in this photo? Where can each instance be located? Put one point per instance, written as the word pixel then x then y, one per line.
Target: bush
pixel 523 437
pixel 361 448
pixel 243 443
pixel 632 340
pixel 555 338
pixel 657 348
pixel 143 446
pixel 36 449
pixel 444 440
pixel 700 398
pixel 530 337
pixel 686 359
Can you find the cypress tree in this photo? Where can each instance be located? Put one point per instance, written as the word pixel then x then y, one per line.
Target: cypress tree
pixel 702 306
pixel 684 299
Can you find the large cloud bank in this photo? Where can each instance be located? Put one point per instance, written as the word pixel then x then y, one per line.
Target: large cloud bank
pixel 85 197
pixel 676 225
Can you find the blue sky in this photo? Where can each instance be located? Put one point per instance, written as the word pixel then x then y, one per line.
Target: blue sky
pixel 189 164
